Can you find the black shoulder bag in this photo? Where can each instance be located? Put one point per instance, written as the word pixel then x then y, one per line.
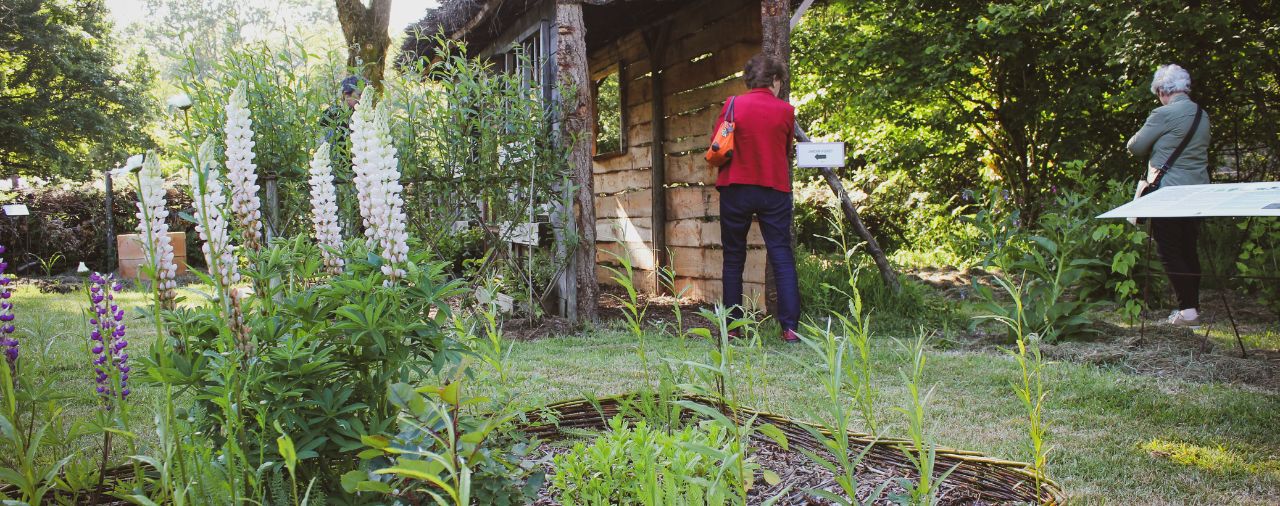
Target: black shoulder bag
pixel 1155 184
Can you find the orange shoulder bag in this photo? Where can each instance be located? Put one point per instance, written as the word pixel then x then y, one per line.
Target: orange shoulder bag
pixel 721 149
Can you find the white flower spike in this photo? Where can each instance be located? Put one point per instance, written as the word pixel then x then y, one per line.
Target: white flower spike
pixel 324 210
pixel 211 223
pixel 241 171
pixel 377 178
pixel 154 231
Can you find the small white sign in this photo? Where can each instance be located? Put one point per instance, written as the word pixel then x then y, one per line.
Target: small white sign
pixel 519 233
pixel 820 154
pixel 16 210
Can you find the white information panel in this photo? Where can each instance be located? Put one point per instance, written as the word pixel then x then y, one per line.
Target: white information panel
pixel 16 210
pixel 1191 201
pixel 520 233
pixel 820 154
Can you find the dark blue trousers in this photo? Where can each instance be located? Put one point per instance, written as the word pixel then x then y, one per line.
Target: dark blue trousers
pixel 739 203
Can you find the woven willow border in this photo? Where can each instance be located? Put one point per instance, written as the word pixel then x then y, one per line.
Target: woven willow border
pixel 985 478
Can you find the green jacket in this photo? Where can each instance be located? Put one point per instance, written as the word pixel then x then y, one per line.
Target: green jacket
pixel 1162 133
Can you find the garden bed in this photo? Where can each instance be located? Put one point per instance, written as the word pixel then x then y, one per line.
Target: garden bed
pixel 976 479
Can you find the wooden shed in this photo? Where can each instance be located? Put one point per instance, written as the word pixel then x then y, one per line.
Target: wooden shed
pixel 651 76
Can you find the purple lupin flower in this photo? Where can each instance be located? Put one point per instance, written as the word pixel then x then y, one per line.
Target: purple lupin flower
pixel 8 343
pixel 108 336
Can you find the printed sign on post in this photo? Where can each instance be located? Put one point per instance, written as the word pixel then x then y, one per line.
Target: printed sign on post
pixel 820 154
pixel 16 210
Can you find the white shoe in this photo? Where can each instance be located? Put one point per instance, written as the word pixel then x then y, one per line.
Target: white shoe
pixel 1176 319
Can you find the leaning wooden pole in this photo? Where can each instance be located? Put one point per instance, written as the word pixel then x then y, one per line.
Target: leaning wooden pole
pixel 576 123
pixel 851 215
pixel 850 212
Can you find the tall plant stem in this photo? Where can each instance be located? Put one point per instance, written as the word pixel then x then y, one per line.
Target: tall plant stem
pixel 102 468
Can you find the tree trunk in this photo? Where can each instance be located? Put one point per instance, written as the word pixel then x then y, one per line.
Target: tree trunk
pixel 775 19
pixel 576 125
pixel 365 30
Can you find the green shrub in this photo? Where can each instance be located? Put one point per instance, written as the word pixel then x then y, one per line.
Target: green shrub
pixel 1048 266
pixel 1259 259
pixel 1056 269
pixel 289 86
pixel 69 221
pixel 642 465
pixel 447 455
pixel 323 356
pixel 826 280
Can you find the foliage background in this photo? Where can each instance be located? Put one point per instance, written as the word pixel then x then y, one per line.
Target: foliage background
pixel 949 107
pixel 952 107
pixel 73 102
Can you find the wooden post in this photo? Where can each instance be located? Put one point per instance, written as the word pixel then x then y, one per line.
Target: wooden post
pixel 656 41
pixel 575 127
pixel 273 205
pixel 111 225
pixel 775 19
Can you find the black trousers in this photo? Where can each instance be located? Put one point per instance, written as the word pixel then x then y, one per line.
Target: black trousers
pixel 1176 240
pixel 738 204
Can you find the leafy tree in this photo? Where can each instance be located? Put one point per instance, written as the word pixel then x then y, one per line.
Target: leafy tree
pixel 187 38
pixel 71 107
pixel 959 94
pixel 1232 49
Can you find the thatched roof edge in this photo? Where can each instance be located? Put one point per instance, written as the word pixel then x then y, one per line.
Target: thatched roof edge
pixel 454 18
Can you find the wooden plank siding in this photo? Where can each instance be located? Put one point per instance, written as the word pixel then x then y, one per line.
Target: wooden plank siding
pixel 709 43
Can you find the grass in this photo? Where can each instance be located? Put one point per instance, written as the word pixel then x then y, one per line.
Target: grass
pixel 53 330
pixel 1115 437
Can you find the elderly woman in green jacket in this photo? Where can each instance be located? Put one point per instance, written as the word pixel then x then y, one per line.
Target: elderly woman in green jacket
pixel 1158 139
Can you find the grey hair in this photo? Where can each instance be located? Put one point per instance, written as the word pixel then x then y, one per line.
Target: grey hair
pixel 1171 79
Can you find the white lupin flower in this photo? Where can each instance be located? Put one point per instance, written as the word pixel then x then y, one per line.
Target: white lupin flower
pixel 153 231
pixel 133 163
pixel 181 101
pixel 377 178
pixel 324 210
pixel 241 171
pixel 211 223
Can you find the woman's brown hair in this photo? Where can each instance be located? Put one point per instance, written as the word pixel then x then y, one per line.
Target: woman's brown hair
pixel 761 70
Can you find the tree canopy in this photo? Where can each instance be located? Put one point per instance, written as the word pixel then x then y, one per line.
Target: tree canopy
pixel 71 106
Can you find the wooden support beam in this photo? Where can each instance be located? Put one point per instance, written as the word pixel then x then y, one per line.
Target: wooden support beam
pixel 655 40
pixel 575 127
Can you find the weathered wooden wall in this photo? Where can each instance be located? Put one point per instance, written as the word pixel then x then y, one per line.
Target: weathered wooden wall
pixel 709 43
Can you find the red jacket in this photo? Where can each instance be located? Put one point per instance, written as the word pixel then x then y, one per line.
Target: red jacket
pixel 762 139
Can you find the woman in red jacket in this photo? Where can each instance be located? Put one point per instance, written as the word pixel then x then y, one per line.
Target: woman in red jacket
pixel 756 182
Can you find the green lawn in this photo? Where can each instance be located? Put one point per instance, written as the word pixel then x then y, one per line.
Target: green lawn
pixel 1117 437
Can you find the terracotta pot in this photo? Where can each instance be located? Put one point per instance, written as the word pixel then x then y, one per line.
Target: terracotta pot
pixel 129 250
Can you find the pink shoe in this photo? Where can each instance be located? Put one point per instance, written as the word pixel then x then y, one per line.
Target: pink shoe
pixel 790 336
